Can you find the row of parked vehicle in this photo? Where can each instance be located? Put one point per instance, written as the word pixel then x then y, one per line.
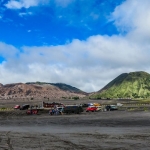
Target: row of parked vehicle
pixel 77 109
pixel 60 109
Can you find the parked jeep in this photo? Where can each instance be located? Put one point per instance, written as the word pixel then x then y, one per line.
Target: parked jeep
pixel 111 107
pixel 91 109
pixel 24 107
pixel 73 109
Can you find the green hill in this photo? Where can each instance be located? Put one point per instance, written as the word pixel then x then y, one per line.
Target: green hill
pixel 126 85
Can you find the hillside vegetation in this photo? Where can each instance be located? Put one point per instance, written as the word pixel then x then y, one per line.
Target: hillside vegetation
pixel 61 86
pixel 126 85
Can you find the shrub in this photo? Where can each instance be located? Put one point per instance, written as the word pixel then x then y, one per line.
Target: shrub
pixel 75 98
pixel 3 108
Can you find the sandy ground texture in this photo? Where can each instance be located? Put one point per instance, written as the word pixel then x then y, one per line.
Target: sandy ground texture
pixel 113 130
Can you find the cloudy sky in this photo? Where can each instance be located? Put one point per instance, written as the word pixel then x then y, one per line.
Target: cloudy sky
pixel 83 43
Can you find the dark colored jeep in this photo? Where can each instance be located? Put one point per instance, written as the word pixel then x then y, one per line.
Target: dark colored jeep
pixel 24 107
pixel 73 109
pixel 111 107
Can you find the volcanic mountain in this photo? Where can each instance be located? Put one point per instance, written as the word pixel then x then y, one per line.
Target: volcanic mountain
pixel 39 90
pixel 126 85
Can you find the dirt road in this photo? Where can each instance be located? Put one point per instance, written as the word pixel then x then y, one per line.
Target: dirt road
pixel 117 130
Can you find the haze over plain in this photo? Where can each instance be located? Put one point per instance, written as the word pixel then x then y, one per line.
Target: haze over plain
pixel 84 43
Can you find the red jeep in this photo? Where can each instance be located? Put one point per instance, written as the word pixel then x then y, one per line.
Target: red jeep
pixel 17 107
pixel 91 108
pixel 32 111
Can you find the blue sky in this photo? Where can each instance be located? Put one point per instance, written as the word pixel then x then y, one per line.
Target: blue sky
pixel 78 42
pixel 52 23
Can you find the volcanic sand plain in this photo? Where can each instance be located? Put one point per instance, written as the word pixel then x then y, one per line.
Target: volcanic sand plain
pixel 111 130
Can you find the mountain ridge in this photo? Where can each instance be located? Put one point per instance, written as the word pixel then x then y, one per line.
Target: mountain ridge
pixel 62 86
pixel 38 90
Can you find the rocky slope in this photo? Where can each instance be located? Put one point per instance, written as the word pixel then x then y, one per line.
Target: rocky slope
pixel 36 91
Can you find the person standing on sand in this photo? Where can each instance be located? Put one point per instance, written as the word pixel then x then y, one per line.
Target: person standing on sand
pixel 53 111
pixel 50 112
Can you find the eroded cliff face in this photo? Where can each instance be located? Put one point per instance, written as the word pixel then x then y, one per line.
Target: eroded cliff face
pixel 21 90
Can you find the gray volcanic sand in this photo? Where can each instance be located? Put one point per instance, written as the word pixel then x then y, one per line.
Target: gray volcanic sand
pixel 116 130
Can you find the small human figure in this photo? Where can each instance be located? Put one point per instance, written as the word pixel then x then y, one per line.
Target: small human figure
pixel 53 111
pixel 50 112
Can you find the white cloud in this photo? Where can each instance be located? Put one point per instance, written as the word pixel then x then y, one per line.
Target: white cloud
pixel 89 64
pixel 24 14
pixel 8 51
pixel 132 14
pixel 15 4
pixel 63 3
pixel 18 4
